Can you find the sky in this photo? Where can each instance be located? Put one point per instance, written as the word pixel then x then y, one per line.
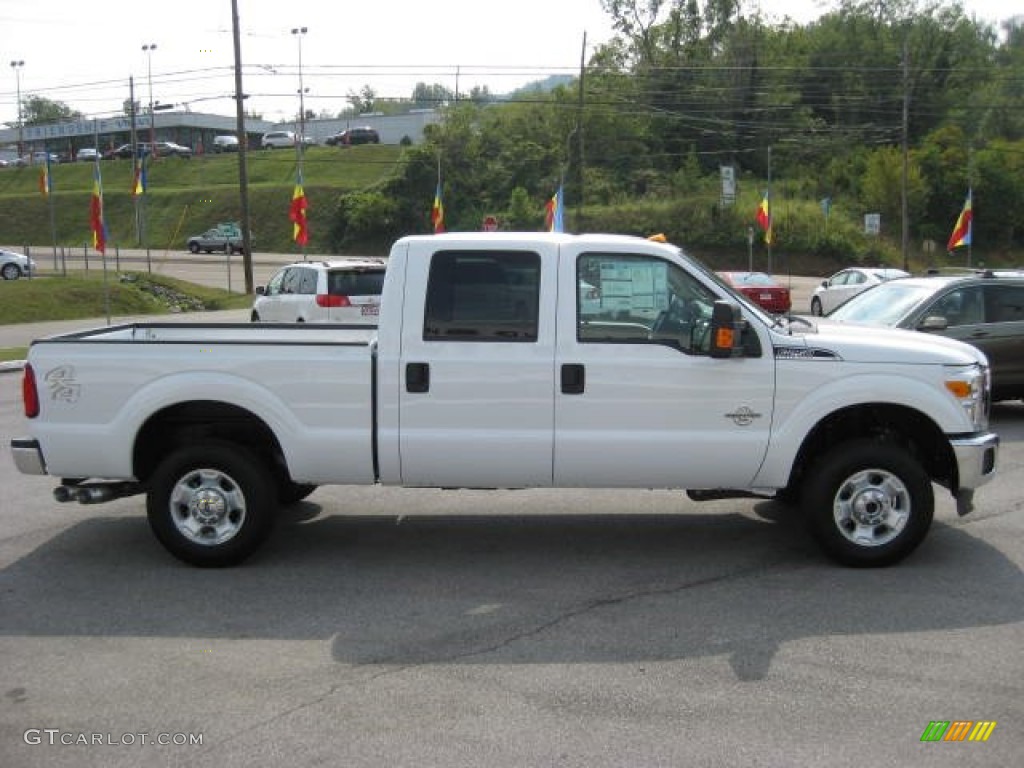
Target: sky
pixel 83 54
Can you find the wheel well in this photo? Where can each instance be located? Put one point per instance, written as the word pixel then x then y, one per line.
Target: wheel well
pixel 917 433
pixel 187 423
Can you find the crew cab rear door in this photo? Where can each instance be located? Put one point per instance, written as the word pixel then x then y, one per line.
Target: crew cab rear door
pixel 476 366
pixel 640 403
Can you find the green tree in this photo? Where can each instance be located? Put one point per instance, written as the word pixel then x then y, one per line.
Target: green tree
pixel 882 185
pixel 38 110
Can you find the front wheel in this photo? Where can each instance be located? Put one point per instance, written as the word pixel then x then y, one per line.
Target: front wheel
pixel 211 504
pixel 10 272
pixel 193 247
pixel 868 503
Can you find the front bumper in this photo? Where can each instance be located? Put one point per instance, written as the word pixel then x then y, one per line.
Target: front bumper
pixel 976 464
pixel 28 456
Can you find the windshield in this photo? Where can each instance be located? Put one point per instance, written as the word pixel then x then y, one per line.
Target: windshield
pixel 885 304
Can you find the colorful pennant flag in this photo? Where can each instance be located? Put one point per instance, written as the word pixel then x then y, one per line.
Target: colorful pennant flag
pixel 45 180
pixel 554 220
pixel 297 213
pixel 437 211
pixel 139 182
pixel 96 222
pixel 964 225
pixel 764 218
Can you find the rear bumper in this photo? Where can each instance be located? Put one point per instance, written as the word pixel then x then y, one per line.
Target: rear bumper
pixel 28 456
pixel 976 457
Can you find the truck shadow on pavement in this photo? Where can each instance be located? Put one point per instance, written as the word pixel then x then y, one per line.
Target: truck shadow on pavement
pixel 471 589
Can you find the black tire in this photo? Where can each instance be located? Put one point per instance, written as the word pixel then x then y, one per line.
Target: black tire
pixel 254 317
pixel 10 272
pixel 289 492
pixel 816 306
pixel 193 247
pixel 868 503
pixel 228 484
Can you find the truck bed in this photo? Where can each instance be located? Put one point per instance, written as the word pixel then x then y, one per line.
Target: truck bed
pixel 311 385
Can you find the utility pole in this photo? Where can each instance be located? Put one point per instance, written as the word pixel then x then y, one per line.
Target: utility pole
pixel 579 138
pixel 904 205
pixel 243 174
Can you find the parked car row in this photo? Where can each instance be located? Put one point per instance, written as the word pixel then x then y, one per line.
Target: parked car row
pixel 144 148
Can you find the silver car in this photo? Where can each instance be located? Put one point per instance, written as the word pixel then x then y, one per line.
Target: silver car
pixel 14 265
pixel 847 283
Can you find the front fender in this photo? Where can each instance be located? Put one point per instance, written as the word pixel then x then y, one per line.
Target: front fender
pixel 806 398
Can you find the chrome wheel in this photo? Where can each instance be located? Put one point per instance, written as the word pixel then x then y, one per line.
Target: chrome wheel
pixel 868 502
pixel 212 503
pixel 207 507
pixel 872 507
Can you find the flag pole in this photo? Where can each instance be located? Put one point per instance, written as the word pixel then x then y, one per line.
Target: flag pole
pixel 771 211
pixel 970 191
pixel 53 217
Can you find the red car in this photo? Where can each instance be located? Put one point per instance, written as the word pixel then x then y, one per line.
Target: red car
pixel 760 288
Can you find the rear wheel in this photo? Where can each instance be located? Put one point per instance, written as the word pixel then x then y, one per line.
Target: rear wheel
pixel 868 503
pixel 211 504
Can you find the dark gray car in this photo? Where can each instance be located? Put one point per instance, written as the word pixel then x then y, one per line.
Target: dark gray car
pixel 984 308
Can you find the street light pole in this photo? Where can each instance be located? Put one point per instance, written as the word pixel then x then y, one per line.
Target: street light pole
pixel 17 65
pixel 148 48
pixel 299 33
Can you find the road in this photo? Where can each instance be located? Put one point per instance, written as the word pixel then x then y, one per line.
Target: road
pixel 390 627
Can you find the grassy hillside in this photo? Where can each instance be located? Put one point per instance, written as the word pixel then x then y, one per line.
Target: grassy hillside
pixel 186 197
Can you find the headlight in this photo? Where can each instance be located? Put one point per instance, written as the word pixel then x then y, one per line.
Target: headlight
pixel 970 386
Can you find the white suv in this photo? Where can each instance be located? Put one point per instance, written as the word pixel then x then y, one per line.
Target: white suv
pixel 339 291
pixel 275 139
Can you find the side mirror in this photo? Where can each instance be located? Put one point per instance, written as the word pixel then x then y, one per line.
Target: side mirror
pixel 727 326
pixel 933 323
pixel 260 290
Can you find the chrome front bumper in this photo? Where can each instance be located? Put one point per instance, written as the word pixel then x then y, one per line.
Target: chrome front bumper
pixel 28 456
pixel 976 464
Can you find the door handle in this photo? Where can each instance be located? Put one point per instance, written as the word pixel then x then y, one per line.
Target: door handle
pixel 417 377
pixel 573 379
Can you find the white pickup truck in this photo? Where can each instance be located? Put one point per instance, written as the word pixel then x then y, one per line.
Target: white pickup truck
pixel 506 360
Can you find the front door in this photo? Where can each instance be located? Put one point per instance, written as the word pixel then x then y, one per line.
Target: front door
pixel 640 402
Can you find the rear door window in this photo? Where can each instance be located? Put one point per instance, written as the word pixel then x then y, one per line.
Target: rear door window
pixel 355 282
pixel 485 296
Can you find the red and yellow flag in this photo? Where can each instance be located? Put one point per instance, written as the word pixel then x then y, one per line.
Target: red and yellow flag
pixel 764 218
pixel 45 180
pixel 96 222
pixel 297 213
